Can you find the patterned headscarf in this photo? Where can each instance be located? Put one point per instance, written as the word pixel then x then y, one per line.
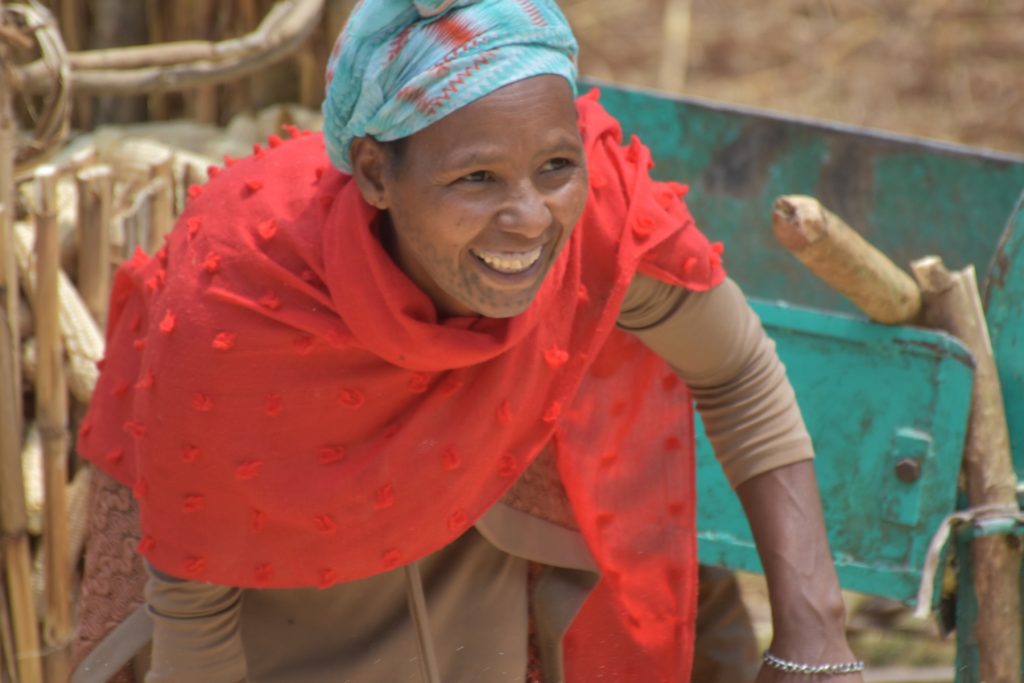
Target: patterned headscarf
pixel 400 65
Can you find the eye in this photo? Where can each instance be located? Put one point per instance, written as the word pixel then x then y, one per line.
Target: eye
pixel 477 177
pixel 557 164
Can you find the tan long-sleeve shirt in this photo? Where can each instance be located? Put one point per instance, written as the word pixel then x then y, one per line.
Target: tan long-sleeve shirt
pixel 476 587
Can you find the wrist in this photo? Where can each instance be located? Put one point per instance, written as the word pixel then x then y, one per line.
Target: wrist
pixel 811 630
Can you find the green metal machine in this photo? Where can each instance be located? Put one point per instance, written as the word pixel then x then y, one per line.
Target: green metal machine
pixel 887 406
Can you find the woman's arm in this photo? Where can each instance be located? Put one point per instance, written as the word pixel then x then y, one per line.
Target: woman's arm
pixel 717 345
pixel 808 614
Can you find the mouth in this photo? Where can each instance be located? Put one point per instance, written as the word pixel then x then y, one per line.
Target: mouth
pixel 509 262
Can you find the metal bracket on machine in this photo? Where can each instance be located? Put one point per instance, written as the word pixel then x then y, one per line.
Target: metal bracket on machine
pixel 986 520
pixel 911 451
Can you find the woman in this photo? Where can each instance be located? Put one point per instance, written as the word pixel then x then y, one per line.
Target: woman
pixel 446 352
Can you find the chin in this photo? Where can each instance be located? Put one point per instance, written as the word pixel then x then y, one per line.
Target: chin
pixel 503 310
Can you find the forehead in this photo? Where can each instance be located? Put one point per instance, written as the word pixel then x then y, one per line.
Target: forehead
pixel 530 115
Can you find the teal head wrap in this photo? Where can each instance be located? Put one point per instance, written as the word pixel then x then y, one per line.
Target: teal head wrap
pixel 400 65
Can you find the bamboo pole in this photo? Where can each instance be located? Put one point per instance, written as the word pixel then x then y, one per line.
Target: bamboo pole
pixel 161 219
pixel 162 207
pixel 14 541
pixel 675 45
pixel 837 254
pixel 246 19
pixel 157 102
pixel 52 413
pixel 95 195
pixel 70 14
pixel 206 97
pixel 8 151
pixel 8 653
pixel 952 303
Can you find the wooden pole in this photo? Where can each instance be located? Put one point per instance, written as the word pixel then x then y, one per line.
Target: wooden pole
pixel 162 218
pixel 952 303
pixel 8 151
pixel 837 254
pixel 675 44
pixel 15 550
pixel 8 653
pixel 206 96
pixel 14 541
pixel 52 414
pixel 158 104
pixel 95 195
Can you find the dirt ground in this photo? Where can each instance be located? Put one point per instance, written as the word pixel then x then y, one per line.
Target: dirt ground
pixel 947 69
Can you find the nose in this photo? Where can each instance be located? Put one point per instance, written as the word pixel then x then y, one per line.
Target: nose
pixel 525 212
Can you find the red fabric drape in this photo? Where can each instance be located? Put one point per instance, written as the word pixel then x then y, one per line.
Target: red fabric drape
pixel 291 412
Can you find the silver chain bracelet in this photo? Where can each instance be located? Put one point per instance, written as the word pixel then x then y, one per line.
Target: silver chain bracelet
pixel 812 669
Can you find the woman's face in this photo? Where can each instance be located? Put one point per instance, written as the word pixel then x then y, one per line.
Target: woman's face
pixel 482 202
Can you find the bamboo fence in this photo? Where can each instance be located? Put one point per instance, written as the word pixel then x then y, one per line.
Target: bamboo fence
pixel 66 224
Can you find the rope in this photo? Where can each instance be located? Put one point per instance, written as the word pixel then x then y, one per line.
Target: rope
pixel 972 515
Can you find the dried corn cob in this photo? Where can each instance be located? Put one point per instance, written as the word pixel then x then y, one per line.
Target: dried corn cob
pixel 83 341
pixel 32 475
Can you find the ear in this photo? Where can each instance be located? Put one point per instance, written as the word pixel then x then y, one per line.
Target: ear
pixel 369 169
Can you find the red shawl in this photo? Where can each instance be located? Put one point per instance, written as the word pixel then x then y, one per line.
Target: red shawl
pixel 290 411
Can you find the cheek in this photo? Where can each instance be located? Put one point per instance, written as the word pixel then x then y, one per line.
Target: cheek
pixel 572 201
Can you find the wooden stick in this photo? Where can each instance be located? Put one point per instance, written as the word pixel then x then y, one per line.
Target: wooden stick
pixel 157 102
pixel 178 66
pixel 70 23
pixel 95 194
pixel 162 220
pixel 8 653
pixel 52 413
pixel 837 254
pixel 14 541
pixel 675 43
pixel 8 269
pixel 952 303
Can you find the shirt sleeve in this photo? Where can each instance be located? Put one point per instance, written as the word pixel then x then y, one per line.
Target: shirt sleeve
pixel 716 344
pixel 195 631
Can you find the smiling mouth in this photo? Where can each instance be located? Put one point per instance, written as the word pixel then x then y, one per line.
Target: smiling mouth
pixel 509 262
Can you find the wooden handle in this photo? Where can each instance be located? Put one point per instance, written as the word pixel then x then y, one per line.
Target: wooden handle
pixel 837 254
pixel 952 303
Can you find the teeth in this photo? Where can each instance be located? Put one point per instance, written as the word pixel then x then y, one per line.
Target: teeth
pixel 509 261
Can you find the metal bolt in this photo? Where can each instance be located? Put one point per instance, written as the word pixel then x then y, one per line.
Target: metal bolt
pixel 908 470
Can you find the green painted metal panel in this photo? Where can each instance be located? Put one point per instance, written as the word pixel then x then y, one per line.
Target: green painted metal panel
pixel 872 395
pixel 908 196
pixel 1005 313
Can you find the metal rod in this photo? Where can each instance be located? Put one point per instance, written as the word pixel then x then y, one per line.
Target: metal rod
pixel 420 619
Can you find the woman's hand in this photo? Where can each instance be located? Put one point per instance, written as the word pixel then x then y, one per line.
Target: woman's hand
pixel 808 613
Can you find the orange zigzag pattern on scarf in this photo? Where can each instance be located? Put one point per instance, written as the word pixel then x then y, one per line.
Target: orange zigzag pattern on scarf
pixel 531 11
pixel 452 86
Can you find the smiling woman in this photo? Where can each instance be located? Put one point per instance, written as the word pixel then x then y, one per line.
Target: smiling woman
pixel 486 199
pixel 446 340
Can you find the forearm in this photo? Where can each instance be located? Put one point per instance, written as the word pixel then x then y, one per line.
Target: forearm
pixel 785 514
